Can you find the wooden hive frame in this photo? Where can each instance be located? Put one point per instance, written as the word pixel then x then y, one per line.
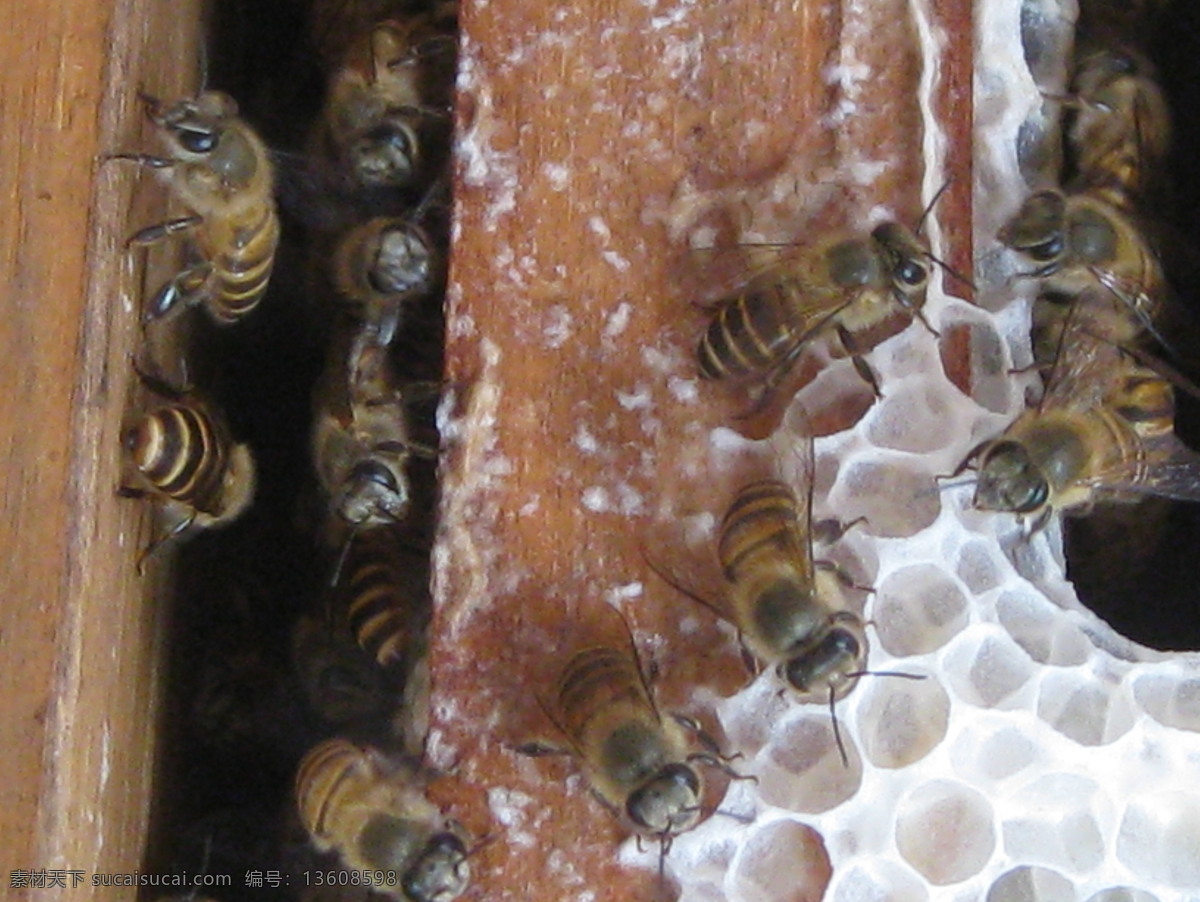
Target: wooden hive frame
pixel 80 632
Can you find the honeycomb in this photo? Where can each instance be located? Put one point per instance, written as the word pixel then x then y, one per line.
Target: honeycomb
pixel 1042 756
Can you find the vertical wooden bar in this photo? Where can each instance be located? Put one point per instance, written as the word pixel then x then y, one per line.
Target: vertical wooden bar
pixel 79 631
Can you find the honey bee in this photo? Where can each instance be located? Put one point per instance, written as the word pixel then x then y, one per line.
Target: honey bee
pixel 185 460
pixel 386 121
pixel 1103 431
pixel 1120 130
pixel 220 169
pixel 1085 240
pixel 638 763
pixel 863 289
pixel 372 812
pixel 384 591
pixel 385 264
pixel 339 680
pixel 790 609
pixel 360 437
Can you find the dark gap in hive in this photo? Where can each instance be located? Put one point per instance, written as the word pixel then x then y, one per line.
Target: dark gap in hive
pixel 221 803
pixel 1136 567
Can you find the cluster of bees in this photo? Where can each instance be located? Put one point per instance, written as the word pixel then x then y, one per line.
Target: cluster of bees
pixel 1102 430
pixel 333 699
pixel 1106 322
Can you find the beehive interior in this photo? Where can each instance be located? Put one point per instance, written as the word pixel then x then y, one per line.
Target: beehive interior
pixel 537 326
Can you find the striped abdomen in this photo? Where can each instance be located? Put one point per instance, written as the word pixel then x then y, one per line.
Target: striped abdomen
pixel 183 453
pixel 763 524
pixel 595 683
pixel 386 604
pixel 329 781
pixel 1146 402
pixel 752 332
pixel 242 255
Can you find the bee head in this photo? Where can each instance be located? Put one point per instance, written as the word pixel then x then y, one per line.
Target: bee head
pixel 440 872
pixel 830 661
pixel 1010 481
pixel 908 268
pixel 403 259
pixel 1038 229
pixel 373 490
pixel 387 154
pixel 668 803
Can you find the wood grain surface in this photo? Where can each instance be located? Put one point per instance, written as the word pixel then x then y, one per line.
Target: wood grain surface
pixel 598 143
pixel 80 635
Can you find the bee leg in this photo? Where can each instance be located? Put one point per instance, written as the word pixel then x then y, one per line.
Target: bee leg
pixel 842 576
pixel 131 491
pixel 712 750
pixel 826 532
pixel 156 233
pixel 142 159
pixel 187 288
pixel 162 540
pixel 856 357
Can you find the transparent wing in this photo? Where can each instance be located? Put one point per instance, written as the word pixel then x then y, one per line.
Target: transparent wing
pixel 1168 468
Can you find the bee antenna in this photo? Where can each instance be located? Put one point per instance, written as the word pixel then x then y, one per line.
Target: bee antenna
pixel 929 208
pixel 887 673
pixel 952 272
pixel 837 732
pixel 344 554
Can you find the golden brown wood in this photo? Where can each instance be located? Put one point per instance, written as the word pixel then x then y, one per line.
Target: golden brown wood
pixel 597 140
pixel 79 633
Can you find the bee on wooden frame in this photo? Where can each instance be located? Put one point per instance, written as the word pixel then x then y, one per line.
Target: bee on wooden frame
pixel 183 459
pixel 221 170
pixel 361 438
pixel 638 762
pixel 1103 431
pixel 385 264
pixel 373 812
pixel 862 289
pixel 386 121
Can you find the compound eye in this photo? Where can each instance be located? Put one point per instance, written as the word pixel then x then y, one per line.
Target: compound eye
pixel 1048 250
pixel 198 142
pixel 911 273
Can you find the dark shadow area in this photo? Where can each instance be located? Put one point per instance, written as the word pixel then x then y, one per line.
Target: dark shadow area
pixel 1138 567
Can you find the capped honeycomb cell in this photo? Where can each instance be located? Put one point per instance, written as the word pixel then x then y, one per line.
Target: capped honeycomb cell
pixel 915 417
pixel 918 609
pixel 987 669
pixel 1031 884
pixel 1122 894
pixel 802 770
pixel 976 363
pixel 1170 701
pixel 1059 824
pixel 784 861
pixel 1039 629
pixel 993 752
pixel 894 499
pixel 1159 838
pixel 945 830
pixel 1083 708
pixel 978 567
pixel 900 721
pixel 878 880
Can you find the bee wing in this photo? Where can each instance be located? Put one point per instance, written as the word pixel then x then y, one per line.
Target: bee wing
pixel 1168 468
pixel 1084 365
pixel 681 542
